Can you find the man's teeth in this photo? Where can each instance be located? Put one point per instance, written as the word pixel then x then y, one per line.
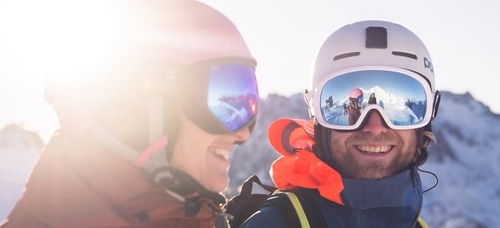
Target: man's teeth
pixel 221 152
pixel 374 149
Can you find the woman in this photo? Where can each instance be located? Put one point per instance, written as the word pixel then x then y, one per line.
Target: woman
pixel 145 135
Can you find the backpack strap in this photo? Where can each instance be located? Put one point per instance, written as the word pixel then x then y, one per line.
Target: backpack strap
pixel 301 203
pixel 246 188
pixel 421 223
pixel 246 203
pixel 315 215
pixel 299 211
pixel 281 202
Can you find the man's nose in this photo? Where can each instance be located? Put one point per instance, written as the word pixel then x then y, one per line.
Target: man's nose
pixel 374 123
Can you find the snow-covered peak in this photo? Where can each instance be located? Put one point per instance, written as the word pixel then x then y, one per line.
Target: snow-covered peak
pixel 19 150
pixel 466 158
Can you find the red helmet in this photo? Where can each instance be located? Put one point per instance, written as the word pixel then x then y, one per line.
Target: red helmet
pixel 150 36
pixel 181 31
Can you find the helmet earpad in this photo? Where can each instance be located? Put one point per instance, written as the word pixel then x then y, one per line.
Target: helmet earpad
pixel 322 146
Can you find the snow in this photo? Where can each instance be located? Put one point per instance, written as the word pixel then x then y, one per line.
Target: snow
pixel 19 151
pixel 466 158
pixel 468 186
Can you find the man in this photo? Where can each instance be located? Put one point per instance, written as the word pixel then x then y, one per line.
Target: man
pixel 145 136
pixel 361 174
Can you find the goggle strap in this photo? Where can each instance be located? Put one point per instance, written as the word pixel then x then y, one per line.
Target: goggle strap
pixel 308 98
pixel 155 112
pixel 154 157
pixel 156 169
pixel 437 100
pixel 111 143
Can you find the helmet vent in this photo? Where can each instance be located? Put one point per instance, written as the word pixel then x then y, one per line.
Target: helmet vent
pixel 376 37
pixel 346 55
pixel 405 54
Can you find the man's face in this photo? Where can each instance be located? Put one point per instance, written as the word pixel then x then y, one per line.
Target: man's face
pixel 373 152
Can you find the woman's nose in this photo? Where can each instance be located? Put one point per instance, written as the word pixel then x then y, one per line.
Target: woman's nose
pixel 242 135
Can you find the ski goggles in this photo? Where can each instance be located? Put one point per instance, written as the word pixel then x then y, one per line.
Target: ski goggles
pixel 220 97
pixel 344 100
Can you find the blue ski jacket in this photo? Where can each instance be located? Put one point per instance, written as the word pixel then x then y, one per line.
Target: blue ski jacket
pixel 366 205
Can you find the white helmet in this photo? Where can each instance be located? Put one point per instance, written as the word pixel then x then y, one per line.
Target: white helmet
pixel 373 43
pixel 363 48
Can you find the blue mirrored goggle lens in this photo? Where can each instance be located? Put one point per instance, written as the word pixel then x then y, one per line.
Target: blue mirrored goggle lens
pixel 233 95
pixel 345 98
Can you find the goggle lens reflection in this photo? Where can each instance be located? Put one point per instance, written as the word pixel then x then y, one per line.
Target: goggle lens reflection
pixel 233 95
pixel 401 99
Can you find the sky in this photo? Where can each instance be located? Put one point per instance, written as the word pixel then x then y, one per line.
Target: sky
pixel 462 38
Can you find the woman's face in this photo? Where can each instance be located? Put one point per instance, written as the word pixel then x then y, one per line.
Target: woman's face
pixel 205 156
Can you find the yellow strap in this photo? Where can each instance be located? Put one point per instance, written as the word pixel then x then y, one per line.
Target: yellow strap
pixel 304 223
pixel 422 223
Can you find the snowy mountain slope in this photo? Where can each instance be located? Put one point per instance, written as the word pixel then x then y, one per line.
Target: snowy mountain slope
pixel 19 150
pixel 256 155
pixel 466 158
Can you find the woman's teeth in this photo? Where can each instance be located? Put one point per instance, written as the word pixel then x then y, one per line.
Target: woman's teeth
pixel 221 152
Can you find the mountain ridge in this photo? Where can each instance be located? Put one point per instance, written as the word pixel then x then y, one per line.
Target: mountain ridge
pixel 466 159
pixel 465 128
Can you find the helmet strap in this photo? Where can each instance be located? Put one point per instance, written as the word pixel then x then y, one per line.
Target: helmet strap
pixel 146 159
pixel 154 157
pixel 111 143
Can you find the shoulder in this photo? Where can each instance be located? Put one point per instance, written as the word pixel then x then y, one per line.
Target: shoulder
pixel 268 216
pixel 281 210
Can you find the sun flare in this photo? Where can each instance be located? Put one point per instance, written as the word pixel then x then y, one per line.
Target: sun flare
pixel 55 38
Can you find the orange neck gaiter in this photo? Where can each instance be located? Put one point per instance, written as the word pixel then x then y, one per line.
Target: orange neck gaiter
pixel 304 169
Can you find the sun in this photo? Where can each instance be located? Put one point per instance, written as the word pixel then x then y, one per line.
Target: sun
pixel 54 39
pixel 57 36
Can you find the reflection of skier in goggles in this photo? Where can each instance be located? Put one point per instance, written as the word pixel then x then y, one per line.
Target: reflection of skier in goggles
pixel 372 99
pixel 354 109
